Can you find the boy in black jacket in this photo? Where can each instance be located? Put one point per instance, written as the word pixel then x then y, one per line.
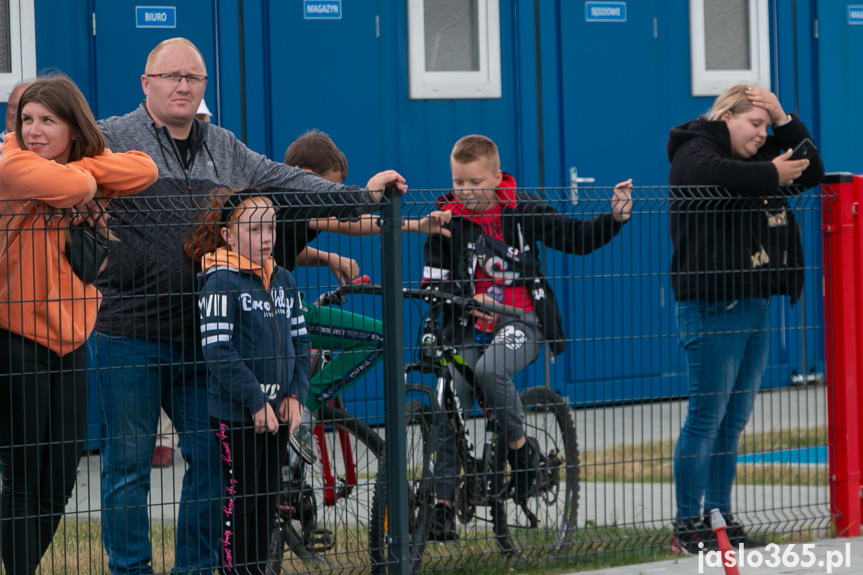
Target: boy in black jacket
pixel 492 253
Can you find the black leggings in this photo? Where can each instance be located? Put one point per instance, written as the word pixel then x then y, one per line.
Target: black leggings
pixel 43 425
pixel 252 465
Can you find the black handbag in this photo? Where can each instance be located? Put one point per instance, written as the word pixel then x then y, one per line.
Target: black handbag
pixel 87 250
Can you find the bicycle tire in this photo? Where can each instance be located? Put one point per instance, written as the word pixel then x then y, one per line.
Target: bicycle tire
pixel 419 421
pixel 346 517
pixel 548 421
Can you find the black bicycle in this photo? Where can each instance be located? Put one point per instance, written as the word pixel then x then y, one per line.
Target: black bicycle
pixel 538 525
pixel 324 505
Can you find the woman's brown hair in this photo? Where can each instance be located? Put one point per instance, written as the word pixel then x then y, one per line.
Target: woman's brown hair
pixel 59 94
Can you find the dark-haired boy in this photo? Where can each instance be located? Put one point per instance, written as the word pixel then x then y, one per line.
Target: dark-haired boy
pixel 358 338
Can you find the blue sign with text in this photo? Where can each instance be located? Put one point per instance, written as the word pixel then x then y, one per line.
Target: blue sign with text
pixel 605 11
pixel 855 14
pixel 322 9
pixel 155 16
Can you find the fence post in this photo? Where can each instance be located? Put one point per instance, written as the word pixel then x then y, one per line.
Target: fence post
pixel 842 272
pixel 398 536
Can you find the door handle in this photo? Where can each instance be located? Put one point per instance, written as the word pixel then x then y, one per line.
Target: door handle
pixel 574 180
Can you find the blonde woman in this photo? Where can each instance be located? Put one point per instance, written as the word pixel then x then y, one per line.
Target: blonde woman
pixel 736 245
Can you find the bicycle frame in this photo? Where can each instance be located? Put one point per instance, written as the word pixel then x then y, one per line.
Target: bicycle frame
pixel 333 492
pixel 446 403
pixel 301 525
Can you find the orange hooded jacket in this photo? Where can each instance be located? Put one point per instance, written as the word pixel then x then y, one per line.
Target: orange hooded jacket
pixel 40 297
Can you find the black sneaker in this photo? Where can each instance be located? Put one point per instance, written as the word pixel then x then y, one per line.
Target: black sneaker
pixel 736 534
pixel 693 537
pixel 443 524
pixel 524 464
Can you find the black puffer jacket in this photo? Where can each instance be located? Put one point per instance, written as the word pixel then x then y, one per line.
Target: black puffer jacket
pixel 732 230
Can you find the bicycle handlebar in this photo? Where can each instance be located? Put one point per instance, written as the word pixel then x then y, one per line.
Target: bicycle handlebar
pixel 435 296
pixel 336 296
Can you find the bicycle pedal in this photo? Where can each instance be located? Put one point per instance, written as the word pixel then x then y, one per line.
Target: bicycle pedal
pixel 510 492
pixel 321 541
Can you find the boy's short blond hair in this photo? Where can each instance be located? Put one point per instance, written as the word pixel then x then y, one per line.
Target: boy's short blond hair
pixel 475 147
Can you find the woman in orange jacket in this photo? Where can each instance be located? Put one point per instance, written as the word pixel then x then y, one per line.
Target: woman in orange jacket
pixel 54 162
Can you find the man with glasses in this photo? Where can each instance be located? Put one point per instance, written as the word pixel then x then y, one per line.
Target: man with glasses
pixel 147 345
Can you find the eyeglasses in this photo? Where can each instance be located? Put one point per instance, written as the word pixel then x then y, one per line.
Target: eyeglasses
pixel 191 79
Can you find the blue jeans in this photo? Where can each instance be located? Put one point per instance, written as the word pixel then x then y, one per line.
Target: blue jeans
pixel 136 378
pixel 726 345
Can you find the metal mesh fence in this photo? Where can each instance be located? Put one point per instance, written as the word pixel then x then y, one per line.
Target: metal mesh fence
pixel 601 417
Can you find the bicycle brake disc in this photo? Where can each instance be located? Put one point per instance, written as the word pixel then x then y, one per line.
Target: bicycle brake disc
pixel 548 479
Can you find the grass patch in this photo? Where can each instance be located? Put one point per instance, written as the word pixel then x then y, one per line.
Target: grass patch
pixel 651 462
pixel 77 548
pixel 350 555
pixel 593 548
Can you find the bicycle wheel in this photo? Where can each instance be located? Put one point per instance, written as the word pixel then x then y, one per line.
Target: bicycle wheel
pixel 323 513
pixel 418 417
pixel 543 523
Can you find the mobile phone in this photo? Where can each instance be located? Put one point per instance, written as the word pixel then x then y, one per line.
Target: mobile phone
pixel 804 150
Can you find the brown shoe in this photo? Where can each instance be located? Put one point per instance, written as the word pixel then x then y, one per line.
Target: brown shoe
pixel 163 457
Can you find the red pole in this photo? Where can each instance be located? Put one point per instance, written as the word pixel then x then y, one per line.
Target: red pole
pixel 843 270
pixel 729 561
pixel 858 289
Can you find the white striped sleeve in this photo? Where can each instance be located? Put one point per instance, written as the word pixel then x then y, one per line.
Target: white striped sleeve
pixel 215 339
pixel 214 313
pixel 298 326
